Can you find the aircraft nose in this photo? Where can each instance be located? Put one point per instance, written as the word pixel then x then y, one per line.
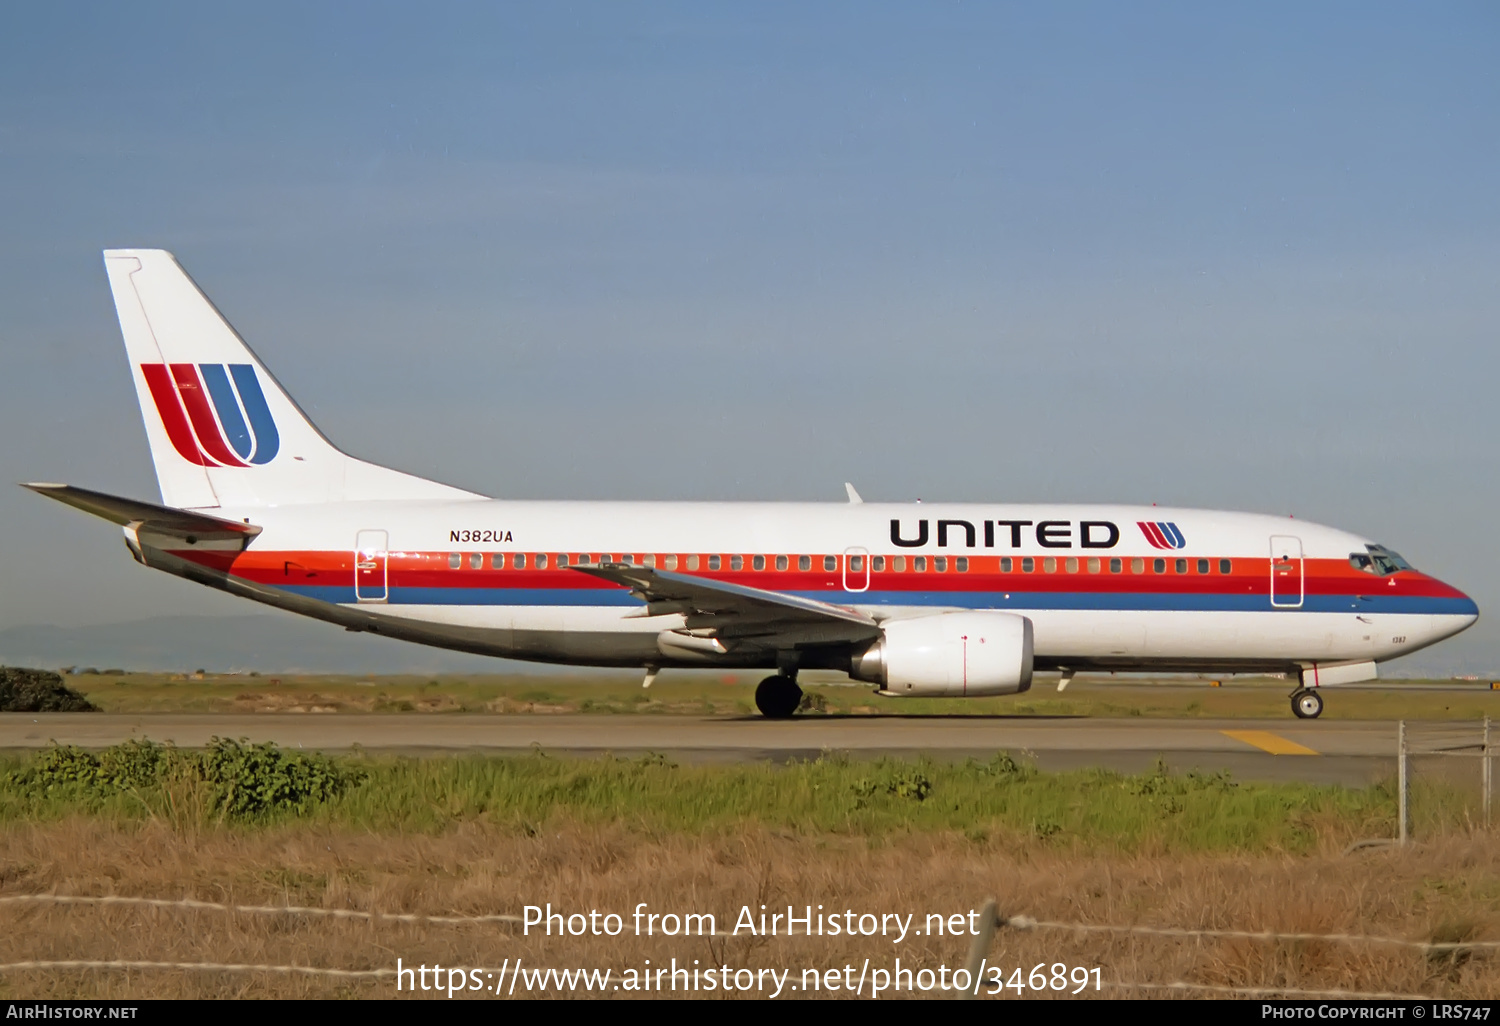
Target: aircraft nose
pixel 1465 607
pixel 1459 613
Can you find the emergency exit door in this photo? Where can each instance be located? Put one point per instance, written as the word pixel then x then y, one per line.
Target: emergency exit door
pixel 370 566
pixel 1286 572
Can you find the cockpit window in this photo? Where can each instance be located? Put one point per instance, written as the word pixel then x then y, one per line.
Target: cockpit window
pixel 1378 560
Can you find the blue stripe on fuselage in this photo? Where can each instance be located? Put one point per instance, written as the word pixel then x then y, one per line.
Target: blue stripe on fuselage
pixel 1018 600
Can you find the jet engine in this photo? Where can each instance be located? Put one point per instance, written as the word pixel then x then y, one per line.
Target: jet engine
pixel 949 654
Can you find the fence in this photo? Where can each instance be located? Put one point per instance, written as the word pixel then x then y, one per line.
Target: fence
pixel 1427 751
pixel 990 923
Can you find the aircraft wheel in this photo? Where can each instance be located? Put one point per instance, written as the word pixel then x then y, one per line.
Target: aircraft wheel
pixel 777 697
pixel 1308 705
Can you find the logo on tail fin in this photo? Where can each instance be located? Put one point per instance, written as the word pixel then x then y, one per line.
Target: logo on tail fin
pixel 1162 535
pixel 215 413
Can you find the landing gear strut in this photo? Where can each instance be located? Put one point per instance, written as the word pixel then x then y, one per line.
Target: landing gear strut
pixel 1307 704
pixel 778 697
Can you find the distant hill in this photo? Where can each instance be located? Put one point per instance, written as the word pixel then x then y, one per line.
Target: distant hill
pixel 224 644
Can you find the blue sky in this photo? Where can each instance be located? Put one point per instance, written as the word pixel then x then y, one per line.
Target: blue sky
pixel 1230 256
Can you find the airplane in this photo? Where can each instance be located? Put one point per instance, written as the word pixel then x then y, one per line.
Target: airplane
pixel 918 599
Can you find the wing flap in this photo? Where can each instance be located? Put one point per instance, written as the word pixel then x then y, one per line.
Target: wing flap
pixel 738 611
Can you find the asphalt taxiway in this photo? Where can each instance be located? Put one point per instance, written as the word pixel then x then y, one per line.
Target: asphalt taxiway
pixel 1352 752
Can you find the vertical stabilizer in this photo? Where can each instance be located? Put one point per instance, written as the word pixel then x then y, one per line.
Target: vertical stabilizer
pixel 222 430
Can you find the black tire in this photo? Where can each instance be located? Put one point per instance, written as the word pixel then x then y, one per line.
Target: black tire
pixel 1307 704
pixel 777 697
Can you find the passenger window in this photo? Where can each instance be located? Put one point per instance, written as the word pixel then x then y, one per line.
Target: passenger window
pixel 649 560
pixel 1028 565
pixel 804 563
pixel 1138 565
pixel 1203 566
pixel 830 562
pixel 671 562
pixel 1182 566
pixel 1094 564
pixel 1006 564
pixel 455 560
pixel 900 562
pixel 714 562
pixel 520 561
pixel 626 559
pixel 877 563
pixel 476 560
pixel 1049 565
pixel 919 563
pixel 1224 566
pixel 692 563
pixel 781 562
pixel 758 562
pixel 1159 566
pixel 562 560
pixel 497 561
pixel 541 561
pixel 1072 564
pixel 940 564
pixel 736 562
pixel 962 564
pixel 857 564
pixel 1115 565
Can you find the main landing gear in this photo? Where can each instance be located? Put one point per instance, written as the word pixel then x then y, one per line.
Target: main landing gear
pixel 777 697
pixel 1307 704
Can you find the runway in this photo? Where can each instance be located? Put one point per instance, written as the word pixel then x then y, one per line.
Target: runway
pixel 1351 752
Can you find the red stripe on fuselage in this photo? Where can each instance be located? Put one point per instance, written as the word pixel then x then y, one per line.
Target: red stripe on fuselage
pixel 431 570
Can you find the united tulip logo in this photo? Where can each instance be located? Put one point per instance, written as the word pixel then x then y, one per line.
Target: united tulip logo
pixel 215 413
pixel 1162 535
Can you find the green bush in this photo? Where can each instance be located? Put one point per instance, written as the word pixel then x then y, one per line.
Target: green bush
pixel 240 780
pixel 250 779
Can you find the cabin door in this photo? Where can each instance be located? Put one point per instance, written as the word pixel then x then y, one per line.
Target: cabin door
pixel 370 566
pixel 856 569
pixel 1286 572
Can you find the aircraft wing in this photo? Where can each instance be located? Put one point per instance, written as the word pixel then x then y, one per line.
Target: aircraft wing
pixel 733 611
pixel 159 520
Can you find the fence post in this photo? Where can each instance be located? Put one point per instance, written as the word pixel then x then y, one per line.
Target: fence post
pixel 979 947
pixel 1401 778
pixel 1487 774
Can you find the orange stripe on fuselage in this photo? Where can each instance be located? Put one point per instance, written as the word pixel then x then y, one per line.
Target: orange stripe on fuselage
pixel 1249 576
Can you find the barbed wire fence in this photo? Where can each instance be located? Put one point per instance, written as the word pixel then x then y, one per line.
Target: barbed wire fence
pixel 1445 775
pixel 990 922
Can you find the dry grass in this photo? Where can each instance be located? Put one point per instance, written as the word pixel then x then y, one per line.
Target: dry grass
pixel 1441 890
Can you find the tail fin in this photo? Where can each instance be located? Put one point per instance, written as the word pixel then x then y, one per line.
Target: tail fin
pixel 222 430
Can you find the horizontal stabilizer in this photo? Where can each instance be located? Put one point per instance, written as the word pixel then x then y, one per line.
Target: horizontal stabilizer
pixel 162 520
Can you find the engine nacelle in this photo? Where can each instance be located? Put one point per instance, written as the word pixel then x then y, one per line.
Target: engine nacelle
pixel 952 654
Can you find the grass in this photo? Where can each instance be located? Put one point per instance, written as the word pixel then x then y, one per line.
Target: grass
pixel 692 693
pixel 1087 810
pixel 474 835
pixel 1442 891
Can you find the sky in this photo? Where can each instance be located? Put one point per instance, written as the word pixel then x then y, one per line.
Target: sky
pixel 1238 256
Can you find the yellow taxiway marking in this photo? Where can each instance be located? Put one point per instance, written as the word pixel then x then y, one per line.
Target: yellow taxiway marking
pixel 1269 742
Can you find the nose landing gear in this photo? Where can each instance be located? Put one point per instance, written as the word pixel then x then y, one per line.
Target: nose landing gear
pixel 1307 704
pixel 777 697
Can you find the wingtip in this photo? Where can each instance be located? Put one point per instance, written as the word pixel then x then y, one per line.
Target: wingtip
pixel 853 495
